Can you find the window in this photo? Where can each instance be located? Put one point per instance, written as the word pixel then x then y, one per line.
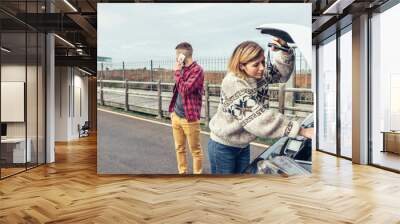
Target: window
pixel 385 85
pixel 327 96
pixel 346 94
pixel 23 88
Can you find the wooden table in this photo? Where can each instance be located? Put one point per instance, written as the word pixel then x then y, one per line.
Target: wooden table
pixel 391 141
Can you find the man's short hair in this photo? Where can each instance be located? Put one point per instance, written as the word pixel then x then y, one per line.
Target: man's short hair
pixel 188 50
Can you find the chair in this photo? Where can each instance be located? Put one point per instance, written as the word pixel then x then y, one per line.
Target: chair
pixel 84 130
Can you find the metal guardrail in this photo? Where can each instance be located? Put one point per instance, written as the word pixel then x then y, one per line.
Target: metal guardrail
pixel 125 85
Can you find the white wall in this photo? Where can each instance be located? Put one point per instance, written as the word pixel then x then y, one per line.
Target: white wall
pixel 62 81
pixel 33 126
pixel 13 72
pixel 71 93
pixel 16 73
pixel 79 112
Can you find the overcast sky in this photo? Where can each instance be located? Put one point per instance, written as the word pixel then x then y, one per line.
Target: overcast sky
pixel 138 31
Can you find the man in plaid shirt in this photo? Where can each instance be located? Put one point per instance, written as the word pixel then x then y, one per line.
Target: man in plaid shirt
pixel 185 108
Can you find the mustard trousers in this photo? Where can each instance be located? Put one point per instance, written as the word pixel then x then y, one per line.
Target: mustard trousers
pixel 187 131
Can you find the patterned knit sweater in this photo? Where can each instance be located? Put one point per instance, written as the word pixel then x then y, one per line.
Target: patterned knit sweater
pixel 243 112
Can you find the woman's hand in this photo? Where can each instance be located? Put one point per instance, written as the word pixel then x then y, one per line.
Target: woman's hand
pixel 307 132
pixel 279 42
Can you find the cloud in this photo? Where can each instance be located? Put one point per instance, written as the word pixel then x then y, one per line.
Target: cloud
pixel 140 31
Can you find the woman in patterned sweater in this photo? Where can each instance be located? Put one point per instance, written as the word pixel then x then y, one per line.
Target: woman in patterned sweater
pixel 243 112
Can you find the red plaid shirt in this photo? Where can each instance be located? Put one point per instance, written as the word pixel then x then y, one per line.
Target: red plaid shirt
pixel 190 86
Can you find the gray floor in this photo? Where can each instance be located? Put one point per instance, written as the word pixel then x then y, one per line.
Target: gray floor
pixel 131 146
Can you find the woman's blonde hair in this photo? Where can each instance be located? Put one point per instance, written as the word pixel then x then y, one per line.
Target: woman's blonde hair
pixel 244 53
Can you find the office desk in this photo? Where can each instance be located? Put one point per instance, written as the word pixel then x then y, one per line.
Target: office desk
pixel 16 147
pixel 391 141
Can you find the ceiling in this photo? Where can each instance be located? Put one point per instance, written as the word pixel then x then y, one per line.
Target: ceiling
pixel 76 22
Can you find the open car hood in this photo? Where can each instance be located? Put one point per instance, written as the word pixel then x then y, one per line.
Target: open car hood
pixel 293 34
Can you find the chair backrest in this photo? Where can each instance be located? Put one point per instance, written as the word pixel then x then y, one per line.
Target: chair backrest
pixel 86 125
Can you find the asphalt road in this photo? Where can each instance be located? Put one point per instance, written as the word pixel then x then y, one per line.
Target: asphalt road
pixel 132 146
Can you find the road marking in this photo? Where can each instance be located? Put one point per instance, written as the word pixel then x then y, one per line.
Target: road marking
pixel 165 124
pixel 134 117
